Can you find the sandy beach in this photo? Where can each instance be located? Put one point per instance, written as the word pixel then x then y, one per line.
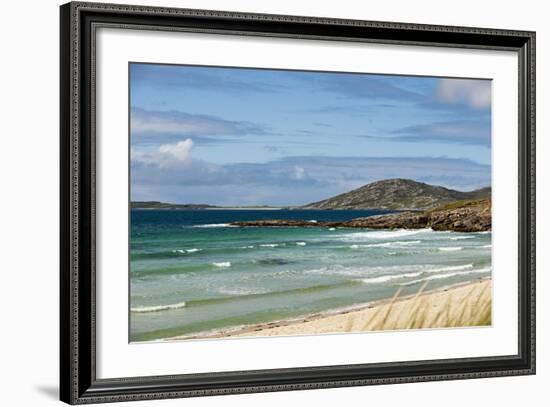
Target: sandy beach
pixel 465 304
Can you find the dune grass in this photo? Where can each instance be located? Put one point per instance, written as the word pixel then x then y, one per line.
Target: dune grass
pixel 470 309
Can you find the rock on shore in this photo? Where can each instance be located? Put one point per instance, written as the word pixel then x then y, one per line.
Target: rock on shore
pixel 474 216
pixel 460 216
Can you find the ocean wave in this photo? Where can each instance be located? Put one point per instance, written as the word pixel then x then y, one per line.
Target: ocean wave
pixel 487 246
pixel 389 277
pixel 450 249
pixel 184 251
pixel 382 271
pixel 272 244
pixel 222 264
pixel 157 308
pixel 447 275
pixel 238 292
pixel 383 279
pixel 393 244
pixel 396 244
pixel 377 235
pixel 461 237
pixel 300 243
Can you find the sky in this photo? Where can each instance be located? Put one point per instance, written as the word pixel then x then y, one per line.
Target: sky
pixel 236 136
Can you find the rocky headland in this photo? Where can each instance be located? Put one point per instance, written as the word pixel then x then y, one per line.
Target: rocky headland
pixel 459 216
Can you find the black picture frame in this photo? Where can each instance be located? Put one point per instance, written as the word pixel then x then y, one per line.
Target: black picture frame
pixel 78 382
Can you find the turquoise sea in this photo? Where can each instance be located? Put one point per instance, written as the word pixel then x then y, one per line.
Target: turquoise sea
pixel 191 272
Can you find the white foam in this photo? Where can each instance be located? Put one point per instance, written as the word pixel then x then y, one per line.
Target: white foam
pixel 193 250
pixel 222 264
pixel 488 246
pixel 270 245
pixel 452 268
pixel 361 236
pixel 395 270
pixel 300 243
pixel 332 229
pixel 450 249
pixel 157 308
pixel 462 237
pixel 240 291
pixel 385 278
pixel 394 245
pixel 447 275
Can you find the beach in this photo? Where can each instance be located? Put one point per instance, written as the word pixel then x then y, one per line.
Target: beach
pixel 459 305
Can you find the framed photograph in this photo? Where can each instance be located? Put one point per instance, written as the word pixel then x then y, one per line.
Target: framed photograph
pixel 255 203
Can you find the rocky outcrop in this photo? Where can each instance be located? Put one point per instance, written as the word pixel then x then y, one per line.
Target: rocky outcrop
pixel 461 216
pixel 403 220
pixel 475 216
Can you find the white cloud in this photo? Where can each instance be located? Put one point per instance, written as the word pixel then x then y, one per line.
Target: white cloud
pixel 475 93
pixel 167 155
pixel 180 150
pixel 299 172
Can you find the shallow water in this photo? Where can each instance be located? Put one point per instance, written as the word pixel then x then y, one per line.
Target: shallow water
pixel 190 271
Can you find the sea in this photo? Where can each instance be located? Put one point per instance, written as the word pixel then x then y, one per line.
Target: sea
pixel 191 272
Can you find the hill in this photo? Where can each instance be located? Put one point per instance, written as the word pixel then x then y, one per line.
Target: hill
pixel 398 194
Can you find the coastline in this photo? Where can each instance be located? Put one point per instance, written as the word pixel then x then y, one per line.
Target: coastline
pixel 449 306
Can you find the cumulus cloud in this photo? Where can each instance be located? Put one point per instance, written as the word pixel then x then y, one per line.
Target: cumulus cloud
pixel 180 150
pixel 173 155
pixel 474 93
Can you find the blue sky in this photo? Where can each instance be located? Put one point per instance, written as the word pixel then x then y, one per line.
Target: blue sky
pixel 232 136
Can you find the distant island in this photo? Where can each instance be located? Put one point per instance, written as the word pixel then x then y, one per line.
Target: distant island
pixel 166 205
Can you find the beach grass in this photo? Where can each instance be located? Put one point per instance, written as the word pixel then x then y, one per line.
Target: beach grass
pixel 472 308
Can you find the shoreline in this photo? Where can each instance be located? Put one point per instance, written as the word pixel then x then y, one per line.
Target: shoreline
pixel 379 315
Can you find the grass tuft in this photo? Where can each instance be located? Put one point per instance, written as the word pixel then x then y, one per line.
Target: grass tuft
pixel 471 309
